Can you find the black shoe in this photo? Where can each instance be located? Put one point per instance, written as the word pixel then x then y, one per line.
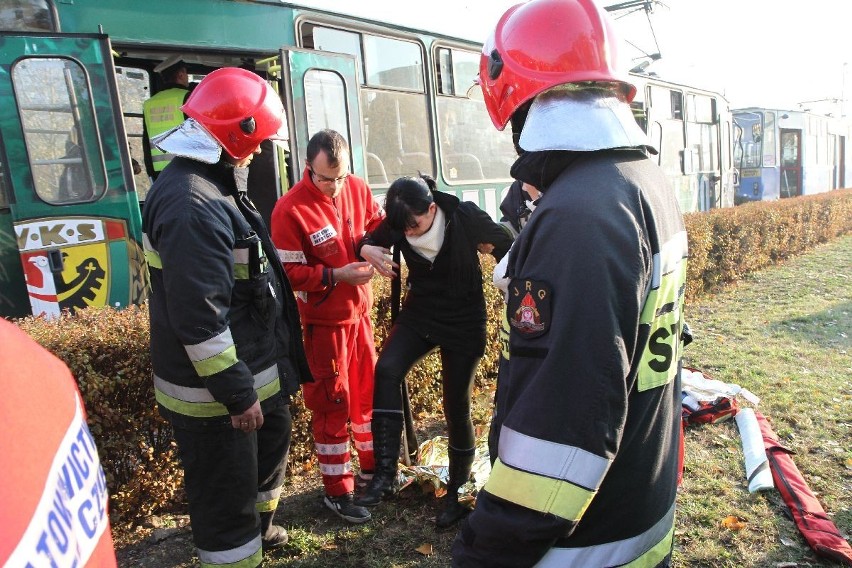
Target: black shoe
pixel 276 538
pixel 451 513
pixel 345 508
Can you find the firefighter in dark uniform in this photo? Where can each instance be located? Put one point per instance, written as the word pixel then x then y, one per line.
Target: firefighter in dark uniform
pixel 226 344
pixel 588 408
pixel 162 112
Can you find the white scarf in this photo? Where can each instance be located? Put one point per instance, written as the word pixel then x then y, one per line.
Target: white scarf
pixel 429 243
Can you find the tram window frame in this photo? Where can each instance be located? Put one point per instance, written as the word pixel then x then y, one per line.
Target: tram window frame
pixel 32 91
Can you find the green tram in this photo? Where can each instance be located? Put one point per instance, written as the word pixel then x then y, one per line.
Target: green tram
pixel 74 76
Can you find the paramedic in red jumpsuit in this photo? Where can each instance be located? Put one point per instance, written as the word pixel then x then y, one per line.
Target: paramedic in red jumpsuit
pixel 315 226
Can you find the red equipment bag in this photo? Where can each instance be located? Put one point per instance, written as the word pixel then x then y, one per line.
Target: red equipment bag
pixel 819 531
pixel 721 409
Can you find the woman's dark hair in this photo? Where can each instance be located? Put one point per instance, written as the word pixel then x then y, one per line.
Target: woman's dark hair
pixel 406 198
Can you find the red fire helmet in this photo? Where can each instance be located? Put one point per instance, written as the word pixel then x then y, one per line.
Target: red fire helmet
pixel 545 43
pixel 238 108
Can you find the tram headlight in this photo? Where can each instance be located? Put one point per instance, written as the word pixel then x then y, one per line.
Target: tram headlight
pixel 755 189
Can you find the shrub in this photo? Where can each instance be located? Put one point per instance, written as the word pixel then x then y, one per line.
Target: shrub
pixel 107 350
pixel 726 244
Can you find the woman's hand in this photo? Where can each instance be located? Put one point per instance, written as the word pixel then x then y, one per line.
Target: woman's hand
pixel 380 258
pixel 485 248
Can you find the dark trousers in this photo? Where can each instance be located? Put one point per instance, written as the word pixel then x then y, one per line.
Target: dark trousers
pixel 402 349
pixel 225 471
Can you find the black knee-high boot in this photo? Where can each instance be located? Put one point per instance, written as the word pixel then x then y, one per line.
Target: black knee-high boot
pixel 452 511
pixel 387 436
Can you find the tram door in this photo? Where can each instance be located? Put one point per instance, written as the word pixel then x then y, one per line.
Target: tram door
pixel 791 162
pixel 321 91
pixel 70 210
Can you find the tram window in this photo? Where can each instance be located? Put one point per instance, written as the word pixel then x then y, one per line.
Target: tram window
pixel 768 130
pixel 28 16
pixel 752 155
pixel 336 41
pixel 445 72
pixel 471 149
pixel 677 105
pixel 397 134
pixel 638 109
pixel 133 90
pixel 465 70
pixel 393 63
pixel 325 102
pixel 700 109
pixel 704 141
pixel 55 104
pixel 672 147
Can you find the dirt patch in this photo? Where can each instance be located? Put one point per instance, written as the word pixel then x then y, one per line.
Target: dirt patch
pixel 401 534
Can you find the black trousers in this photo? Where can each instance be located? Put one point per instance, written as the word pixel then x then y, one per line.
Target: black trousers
pixel 225 470
pixel 402 349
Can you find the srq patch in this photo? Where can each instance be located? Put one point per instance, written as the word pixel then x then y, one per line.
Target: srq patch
pixel 528 307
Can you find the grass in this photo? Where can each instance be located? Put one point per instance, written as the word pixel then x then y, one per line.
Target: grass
pixel 783 333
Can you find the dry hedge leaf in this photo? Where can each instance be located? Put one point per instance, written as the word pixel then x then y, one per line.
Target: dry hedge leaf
pixel 733 523
pixel 425 549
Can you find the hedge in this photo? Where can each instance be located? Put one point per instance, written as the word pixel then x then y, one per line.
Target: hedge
pixel 107 349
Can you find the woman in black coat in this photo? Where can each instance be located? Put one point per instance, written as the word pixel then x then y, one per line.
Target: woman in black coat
pixel 444 308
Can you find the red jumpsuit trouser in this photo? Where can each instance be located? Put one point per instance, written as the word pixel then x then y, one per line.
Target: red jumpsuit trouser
pixel 342 360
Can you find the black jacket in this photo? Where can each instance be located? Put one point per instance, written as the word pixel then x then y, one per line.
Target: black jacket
pixel 224 325
pixel 445 302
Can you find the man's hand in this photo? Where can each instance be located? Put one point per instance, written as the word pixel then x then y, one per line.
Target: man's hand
pixel 251 419
pixel 381 260
pixel 354 273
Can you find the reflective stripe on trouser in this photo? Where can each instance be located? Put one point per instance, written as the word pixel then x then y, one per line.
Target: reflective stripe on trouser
pixel 342 361
pixel 229 476
pixel 645 550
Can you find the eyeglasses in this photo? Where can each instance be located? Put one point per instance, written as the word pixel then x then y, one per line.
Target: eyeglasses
pixel 322 179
